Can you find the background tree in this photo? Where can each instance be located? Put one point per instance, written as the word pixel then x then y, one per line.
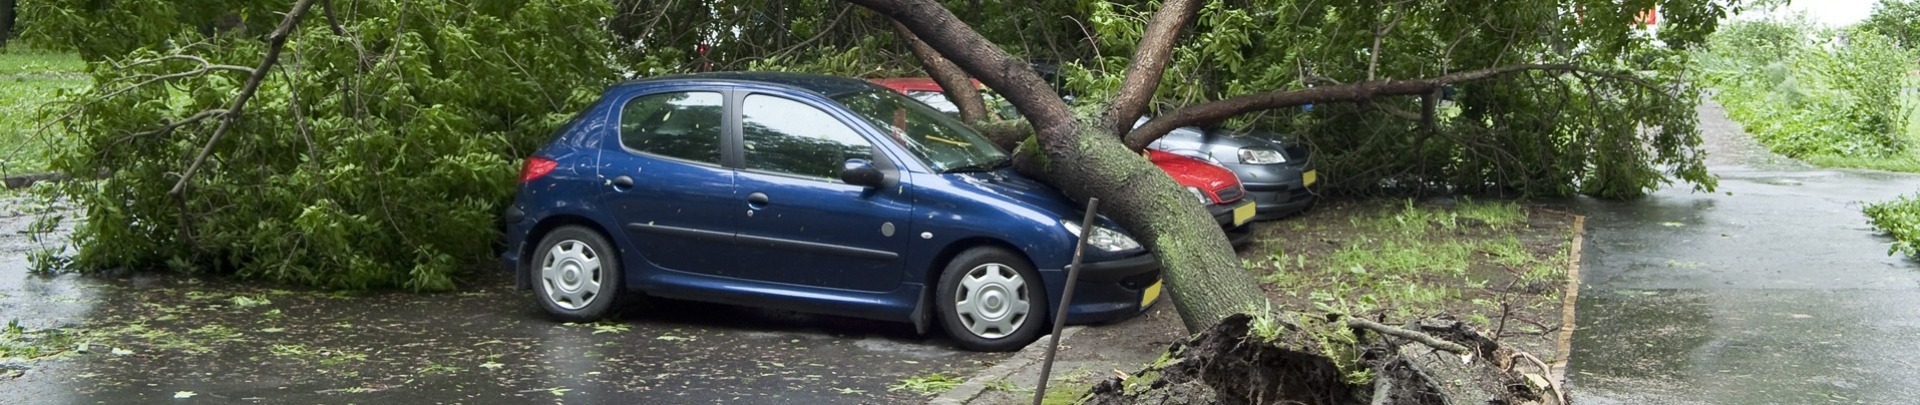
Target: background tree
pixel 7 14
pixel 1896 19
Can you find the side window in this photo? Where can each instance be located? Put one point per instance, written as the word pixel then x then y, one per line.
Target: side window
pixel 786 136
pixel 680 125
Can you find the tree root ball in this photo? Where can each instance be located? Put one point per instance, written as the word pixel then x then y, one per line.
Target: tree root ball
pixel 1226 364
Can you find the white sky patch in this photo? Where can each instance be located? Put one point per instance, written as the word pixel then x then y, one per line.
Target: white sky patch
pixel 1832 13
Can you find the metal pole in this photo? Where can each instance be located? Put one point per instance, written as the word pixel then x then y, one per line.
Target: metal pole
pixel 1066 297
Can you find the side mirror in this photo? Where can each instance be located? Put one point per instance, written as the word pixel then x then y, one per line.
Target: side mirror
pixel 861 172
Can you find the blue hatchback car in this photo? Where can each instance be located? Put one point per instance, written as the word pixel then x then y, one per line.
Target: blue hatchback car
pixel 809 193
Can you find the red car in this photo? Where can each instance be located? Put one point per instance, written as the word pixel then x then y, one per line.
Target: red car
pixel 1211 184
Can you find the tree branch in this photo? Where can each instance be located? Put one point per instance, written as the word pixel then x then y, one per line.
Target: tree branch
pixel 956 85
pixel 1014 79
pixel 169 127
pixel 1216 111
pixel 1149 65
pixel 1373 54
pixel 1005 134
pixel 1423 338
pixel 204 68
pixel 275 42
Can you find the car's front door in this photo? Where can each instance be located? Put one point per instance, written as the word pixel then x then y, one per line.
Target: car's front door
pixel 666 183
pixel 803 225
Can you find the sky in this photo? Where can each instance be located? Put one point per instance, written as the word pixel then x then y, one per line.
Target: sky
pixel 1834 12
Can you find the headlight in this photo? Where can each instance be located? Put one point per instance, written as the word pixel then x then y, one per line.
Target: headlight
pixel 1103 238
pixel 1202 195
pixel 1261 156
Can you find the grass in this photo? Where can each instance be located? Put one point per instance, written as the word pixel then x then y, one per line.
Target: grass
pixel 1404 259
pixel 30 78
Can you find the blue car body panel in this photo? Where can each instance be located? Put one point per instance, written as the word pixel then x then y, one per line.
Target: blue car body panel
pixel 688 230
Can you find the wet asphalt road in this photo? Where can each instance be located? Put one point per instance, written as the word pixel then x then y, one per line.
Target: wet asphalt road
pixel 1773 291
pixel 153 337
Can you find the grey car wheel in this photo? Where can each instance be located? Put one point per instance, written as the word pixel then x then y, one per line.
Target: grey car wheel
pixel 576 274
pixel 991 299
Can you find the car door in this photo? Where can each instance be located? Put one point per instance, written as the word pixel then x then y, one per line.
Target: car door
pixel 666 182
pixel 803 225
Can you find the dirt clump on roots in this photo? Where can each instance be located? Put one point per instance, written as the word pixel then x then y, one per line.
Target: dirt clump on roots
pixel 1230 364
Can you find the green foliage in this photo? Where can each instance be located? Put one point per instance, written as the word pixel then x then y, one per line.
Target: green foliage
pixel 1814 93
pixel 1613 135
pixel 377 158
pixel 1900 219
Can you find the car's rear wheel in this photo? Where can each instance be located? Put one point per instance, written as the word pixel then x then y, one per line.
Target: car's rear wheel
pixel 990 299
pixel 576 275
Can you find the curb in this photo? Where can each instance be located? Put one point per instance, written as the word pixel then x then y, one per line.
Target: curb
pixel 1033 353
pixel 1564 345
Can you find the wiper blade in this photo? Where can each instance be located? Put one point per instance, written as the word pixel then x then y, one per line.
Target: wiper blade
pixel 981 167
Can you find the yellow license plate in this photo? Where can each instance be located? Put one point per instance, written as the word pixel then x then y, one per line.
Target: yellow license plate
pixel 1243 213
pixel 1307 179
pixel 1152 294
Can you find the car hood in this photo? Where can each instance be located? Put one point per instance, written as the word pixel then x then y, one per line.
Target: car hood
pixel 1193 172
pixel 1013 187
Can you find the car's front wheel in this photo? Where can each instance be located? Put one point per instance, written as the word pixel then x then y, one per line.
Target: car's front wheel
pixel 991 299
pixel 576 274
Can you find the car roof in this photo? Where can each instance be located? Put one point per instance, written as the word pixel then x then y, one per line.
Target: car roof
pixel 823 84
pixel 905 84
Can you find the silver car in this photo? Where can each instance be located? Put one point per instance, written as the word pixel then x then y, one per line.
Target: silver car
pixel 1277 176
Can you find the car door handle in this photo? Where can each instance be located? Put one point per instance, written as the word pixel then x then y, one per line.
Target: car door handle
pixel 757 200
pixel 622 183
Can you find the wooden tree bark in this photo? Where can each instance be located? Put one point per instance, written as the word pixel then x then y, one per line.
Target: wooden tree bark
pixel 1149 64
pixel 958 86
pixel 1203 276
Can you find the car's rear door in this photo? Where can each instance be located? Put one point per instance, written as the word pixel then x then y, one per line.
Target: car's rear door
pixel 666 183
pixel 801 224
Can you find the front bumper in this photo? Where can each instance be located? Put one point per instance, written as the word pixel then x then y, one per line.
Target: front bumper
pixel 1279 190
pixel 1239 230
pixel 1279 200
pixel 1111 290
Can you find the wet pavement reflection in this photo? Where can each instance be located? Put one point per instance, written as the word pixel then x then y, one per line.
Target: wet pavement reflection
pixel 151 338
pixel 1774 290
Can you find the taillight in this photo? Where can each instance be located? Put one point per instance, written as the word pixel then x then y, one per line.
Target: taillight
pixel 535 168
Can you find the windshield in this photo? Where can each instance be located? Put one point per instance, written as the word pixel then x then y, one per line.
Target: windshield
pixel 937 139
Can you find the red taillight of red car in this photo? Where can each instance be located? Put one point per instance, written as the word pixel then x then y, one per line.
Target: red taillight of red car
pixel 535 168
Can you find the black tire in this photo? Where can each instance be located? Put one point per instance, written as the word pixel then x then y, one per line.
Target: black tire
pixel 578 302
pixel 988 264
